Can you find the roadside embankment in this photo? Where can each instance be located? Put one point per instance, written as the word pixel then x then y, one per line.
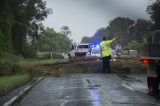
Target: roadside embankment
pixel 8 83
pixel 14 74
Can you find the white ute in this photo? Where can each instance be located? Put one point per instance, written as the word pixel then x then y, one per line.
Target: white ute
pixel 79 50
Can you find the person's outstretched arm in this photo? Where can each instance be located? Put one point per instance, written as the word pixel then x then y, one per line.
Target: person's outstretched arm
pixel 110 41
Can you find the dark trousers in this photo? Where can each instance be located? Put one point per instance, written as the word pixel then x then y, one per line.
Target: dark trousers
pixel 106 64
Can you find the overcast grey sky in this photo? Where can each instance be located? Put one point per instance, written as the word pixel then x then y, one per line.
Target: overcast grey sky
pixel 85 17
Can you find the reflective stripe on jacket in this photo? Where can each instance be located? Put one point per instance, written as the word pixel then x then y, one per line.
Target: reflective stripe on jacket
pixel 105 48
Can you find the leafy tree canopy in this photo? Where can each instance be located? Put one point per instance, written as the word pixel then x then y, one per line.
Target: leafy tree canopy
pixel 53 41
pixel 20 19
pixel 154 11
pixel 86 39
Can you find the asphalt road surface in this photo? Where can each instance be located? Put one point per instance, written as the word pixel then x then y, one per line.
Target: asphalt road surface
pixel 88 90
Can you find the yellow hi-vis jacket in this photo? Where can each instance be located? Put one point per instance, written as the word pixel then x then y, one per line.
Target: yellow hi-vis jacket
pixel 105 48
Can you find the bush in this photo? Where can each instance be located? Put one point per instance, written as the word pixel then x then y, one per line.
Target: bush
pixel 3 54
pixel 5 68
pixel 29 52
pixel 140 47
pixel 57 56
pixel 126 67
pixel 10 68
pixel 48 56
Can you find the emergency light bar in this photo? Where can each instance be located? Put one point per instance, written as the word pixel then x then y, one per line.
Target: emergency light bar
pixel 93 46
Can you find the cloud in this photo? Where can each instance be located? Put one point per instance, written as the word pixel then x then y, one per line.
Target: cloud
pixel 85 17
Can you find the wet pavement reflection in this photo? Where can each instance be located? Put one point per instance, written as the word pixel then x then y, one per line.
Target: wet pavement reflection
pixel 87 90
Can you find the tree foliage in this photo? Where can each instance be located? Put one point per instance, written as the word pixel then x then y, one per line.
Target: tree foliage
pixel 140 30
pixel 53 42
pixel 154 11
pixel 20 19
pixel 86 39
pixel 134 45
pixel 6 21
pixel 66 31
pixel 118 27
pixel 126 30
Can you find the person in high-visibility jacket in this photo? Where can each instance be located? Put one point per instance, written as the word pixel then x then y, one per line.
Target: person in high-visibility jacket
pixel 106 54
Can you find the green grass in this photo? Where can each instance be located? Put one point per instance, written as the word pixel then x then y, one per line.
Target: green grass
pixel 36 62
pixel 128 67
pixel 8 83
pixel 15 74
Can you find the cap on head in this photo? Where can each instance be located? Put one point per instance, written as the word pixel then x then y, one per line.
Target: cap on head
pixel 104 38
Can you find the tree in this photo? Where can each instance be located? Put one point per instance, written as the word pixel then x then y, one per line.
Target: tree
pixel 140 30
pixel 28 15
pixel 6 21
pixel 134 45
pixel 126 29
pixel 20 19
pixel 53 42
pixel 86 39
pixel 154 11
pixel 118 27
pixel 66 31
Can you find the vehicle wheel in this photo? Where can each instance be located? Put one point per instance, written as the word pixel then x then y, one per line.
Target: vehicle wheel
pixel 153 79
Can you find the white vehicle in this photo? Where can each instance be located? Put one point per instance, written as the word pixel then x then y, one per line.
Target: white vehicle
pixel 95 51
pixel 79 50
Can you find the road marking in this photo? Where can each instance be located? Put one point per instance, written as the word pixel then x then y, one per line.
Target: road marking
pixel 16 97
pixel 10 102
pixel 128 87
pixel 20 94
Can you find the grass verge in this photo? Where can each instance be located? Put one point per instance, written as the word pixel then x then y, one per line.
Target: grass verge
pixel 15 74
pixel 29 62
pixel 9 83
pixel 128 67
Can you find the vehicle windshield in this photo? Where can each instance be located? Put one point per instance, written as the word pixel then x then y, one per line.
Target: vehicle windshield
pixel 83 46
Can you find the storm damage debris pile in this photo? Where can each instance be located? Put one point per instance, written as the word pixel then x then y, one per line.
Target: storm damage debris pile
pixel 91 66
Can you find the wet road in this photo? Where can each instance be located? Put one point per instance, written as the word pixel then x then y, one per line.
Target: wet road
pixel 86 90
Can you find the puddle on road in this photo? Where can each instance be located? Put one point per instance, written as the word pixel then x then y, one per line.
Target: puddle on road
pixel 90 85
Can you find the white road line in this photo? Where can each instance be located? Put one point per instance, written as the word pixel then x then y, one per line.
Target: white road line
pixel 12 100
pixel 128 87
